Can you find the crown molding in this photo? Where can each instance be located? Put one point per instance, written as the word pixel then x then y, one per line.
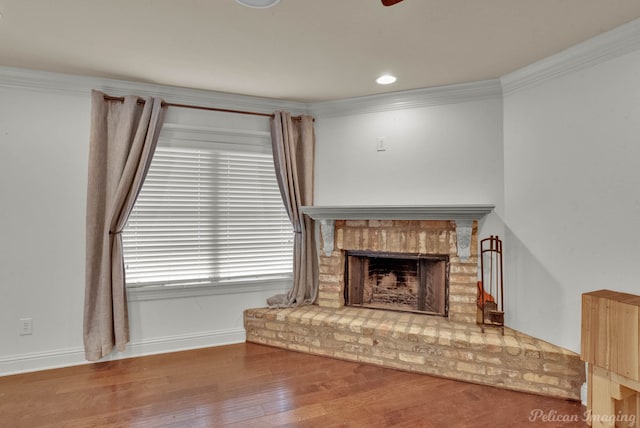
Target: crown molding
pixel 416 98
pixel 604 47
pixel 44 81
pixel 49 82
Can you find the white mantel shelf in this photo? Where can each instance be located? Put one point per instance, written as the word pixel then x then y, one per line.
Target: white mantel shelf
pixel 463 215
pixel 398 212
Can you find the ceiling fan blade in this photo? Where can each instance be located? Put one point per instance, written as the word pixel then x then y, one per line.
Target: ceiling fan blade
pixel 390 2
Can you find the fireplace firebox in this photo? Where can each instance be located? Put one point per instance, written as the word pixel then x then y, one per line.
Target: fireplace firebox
pixel 397 281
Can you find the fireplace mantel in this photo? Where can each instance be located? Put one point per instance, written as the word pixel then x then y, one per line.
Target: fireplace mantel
pixel 398 212
pixel 463 215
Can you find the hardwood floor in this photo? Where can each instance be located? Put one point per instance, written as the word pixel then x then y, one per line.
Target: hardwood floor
pixel 248 385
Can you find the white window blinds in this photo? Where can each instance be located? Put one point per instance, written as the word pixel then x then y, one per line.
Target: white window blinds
pixel 208 214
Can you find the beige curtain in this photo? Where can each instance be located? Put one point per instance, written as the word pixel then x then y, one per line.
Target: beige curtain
pixel 293 155
pixel 122 141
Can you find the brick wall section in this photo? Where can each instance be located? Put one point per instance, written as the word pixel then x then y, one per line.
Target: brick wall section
pixel 423 344
pixel 428 237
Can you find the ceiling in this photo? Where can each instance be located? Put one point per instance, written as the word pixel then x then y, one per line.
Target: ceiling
pixel 300 50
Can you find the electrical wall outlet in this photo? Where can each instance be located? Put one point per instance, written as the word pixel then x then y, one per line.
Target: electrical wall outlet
pixel 26 326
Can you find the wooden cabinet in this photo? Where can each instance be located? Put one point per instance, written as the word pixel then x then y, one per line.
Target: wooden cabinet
pixel 610 345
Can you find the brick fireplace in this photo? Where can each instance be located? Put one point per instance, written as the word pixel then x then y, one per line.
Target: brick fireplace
pixel 435 238
pixel 448 344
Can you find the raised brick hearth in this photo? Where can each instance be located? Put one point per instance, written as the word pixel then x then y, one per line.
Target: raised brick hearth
pixel 423 344
pixel 451 346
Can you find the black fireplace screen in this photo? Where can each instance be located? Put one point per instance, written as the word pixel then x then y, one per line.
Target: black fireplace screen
pixel 397 281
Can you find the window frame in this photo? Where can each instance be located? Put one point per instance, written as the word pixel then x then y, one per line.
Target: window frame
pixel 176 135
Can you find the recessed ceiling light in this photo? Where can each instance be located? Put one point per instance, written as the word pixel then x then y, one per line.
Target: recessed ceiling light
pixel 386 79
pixel 258 4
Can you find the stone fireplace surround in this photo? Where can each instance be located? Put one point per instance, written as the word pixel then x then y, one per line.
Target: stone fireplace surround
pixel 451 346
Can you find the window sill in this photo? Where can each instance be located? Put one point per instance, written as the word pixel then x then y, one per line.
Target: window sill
pixel 168 292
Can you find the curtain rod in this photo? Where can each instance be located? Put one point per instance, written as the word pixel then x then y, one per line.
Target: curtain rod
pixel 224 110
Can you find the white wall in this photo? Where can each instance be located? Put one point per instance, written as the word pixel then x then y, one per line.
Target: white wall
pixel 43 174
pixel 43 169
pixel 572 195
pixel 449 153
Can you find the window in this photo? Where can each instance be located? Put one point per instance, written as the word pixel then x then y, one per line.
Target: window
pixel 209 213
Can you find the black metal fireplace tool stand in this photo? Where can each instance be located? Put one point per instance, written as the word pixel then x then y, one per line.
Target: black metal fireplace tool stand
pixel 491 284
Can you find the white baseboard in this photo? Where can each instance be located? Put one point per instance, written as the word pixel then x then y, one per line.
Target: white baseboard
pixel 36 361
